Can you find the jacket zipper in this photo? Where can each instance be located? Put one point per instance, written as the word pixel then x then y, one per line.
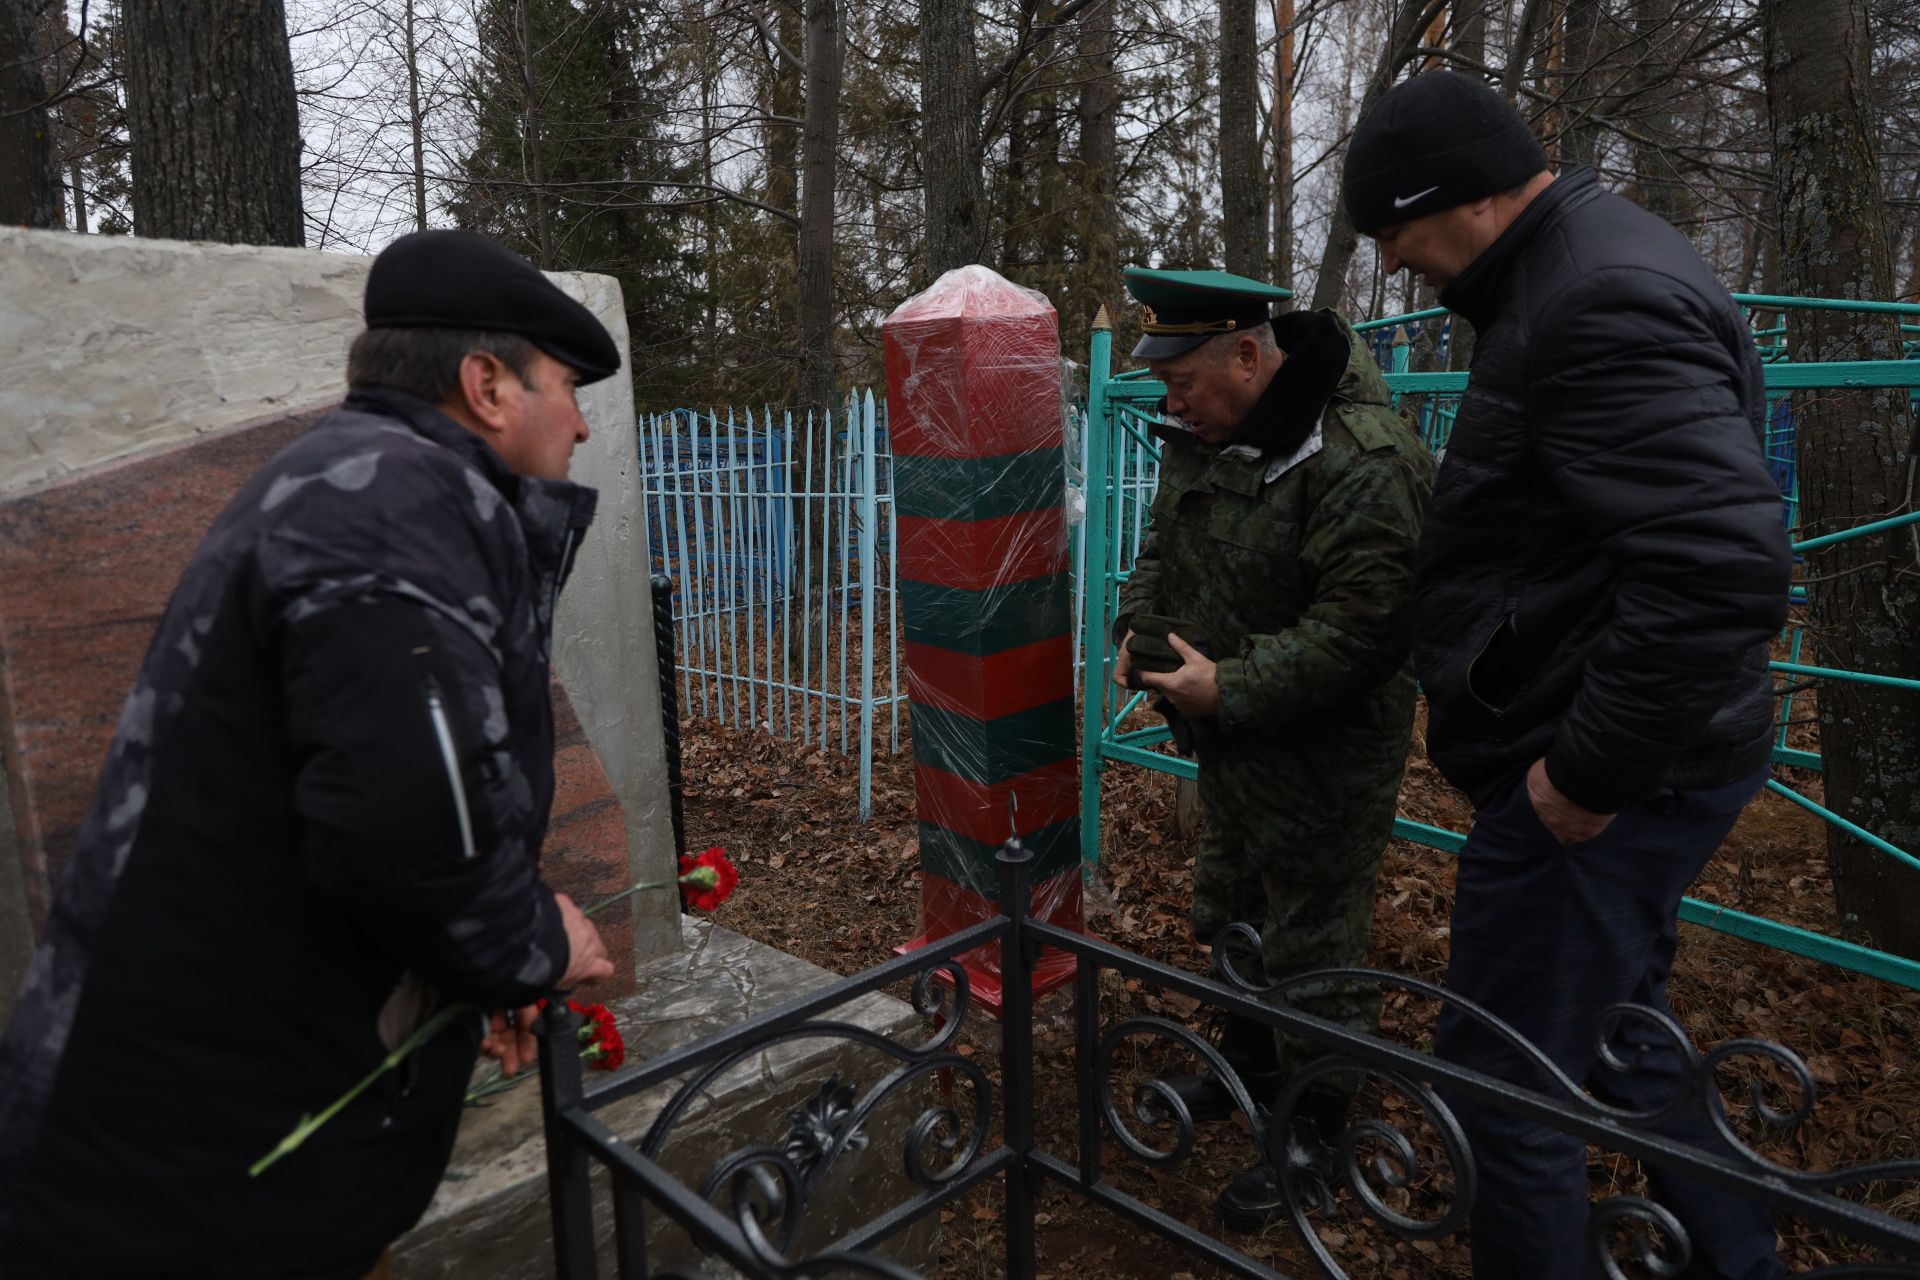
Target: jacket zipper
pixel 443 730
pixel 1505 622
pixel 560 578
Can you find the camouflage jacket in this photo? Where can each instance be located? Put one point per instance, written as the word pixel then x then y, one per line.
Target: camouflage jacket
pixel 1293 559
pixel 334 769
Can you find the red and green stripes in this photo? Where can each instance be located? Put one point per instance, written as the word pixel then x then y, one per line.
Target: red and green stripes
pixel 979 478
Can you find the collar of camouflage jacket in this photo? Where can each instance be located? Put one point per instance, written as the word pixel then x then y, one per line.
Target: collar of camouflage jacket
pixel 1289 409
pixel 554 514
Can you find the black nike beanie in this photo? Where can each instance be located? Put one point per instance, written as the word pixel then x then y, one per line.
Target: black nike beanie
pixel 1438 140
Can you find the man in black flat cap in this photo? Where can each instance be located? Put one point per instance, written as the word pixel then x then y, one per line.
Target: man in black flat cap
pixel 321 816
pixel 1600 574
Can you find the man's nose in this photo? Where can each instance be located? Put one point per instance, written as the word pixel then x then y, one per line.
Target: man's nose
pixel 1390 261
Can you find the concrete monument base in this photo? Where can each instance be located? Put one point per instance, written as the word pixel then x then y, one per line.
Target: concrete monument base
pixel 491 1217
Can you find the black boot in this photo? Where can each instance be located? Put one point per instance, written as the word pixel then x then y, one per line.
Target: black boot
pixel 1248 1048
pixel 1254 1198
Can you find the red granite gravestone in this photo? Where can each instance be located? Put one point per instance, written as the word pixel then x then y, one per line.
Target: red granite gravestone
pixel 86 567
pixel 974 416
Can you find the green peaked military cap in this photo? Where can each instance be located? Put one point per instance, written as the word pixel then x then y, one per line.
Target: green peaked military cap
pixel 1179 310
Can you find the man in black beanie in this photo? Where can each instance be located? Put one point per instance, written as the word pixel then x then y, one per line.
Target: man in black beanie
pixel 321 816
pixel 1599 575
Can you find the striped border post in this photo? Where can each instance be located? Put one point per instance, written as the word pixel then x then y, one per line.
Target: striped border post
pixel 974 403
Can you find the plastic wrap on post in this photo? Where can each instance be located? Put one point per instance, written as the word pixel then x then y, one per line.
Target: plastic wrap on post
pixel 976 415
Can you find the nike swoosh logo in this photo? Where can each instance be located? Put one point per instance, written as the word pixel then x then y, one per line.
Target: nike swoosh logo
pixel 1401 202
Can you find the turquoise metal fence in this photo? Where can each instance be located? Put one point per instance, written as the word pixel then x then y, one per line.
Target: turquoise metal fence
pixel 1121 462
pixel 786 587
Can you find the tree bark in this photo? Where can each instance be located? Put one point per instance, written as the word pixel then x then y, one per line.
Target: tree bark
pixel 1282 268
pixel 1579 133
pixel 29 172
pixel 416 125
pixel 1470 30
pixel 1243 205
pixel 530 138
pixel 1098 110
pixel 819 152
pixel 215 130
pixel 1857 452
pixel 950 137
pixel 1656 178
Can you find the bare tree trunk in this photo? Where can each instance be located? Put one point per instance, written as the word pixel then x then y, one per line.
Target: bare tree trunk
pixel 530 138
pixel 1526 27
pixel 415 124
pixel 77 179
pixel 819 151
pixel 1402 47
pixel 1579 133
pixel 215 131
pixel 1098 110
pixel 950 137
pixel 1189 814
pixel 29 173
pixel 1470 30
pixel 1243 213
pixel 1282 269
pixel 1857 451
pixel 1656 178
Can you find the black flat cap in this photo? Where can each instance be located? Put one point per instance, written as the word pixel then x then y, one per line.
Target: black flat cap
pixel 460 280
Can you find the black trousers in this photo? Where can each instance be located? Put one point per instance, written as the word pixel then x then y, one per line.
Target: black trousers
pixel 1546 937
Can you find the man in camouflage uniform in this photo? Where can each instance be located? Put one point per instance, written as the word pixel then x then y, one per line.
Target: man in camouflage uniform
pixel 321 816
pixel 1282 544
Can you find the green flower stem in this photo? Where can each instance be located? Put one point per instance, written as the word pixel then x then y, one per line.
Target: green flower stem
pixel 498 1082
pixel 700 876
pixel 302 1131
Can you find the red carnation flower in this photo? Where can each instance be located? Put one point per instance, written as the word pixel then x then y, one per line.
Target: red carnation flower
pixel 605 1049
pixel 710 879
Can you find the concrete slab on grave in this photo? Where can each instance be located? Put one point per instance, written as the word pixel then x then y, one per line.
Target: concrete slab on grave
pixel 491 1216
pixel 86 567
pixel 116 350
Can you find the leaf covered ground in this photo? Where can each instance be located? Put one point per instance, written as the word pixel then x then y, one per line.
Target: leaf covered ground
pixel 821 884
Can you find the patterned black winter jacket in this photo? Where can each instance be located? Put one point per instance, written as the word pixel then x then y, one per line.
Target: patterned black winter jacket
pixel 334 770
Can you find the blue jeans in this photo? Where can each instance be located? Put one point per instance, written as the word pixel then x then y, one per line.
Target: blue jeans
pixel 1546 937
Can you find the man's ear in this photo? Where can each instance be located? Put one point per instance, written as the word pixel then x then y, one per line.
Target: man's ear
pixel 1246 354
pixel 482 393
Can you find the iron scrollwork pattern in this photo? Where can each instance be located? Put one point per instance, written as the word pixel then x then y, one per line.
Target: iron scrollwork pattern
pixel 1410 1174
pixel 1658 1240
pixel 768 1188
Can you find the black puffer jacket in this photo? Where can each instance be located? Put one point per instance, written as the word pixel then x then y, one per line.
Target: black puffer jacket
pixel 334 769
pixel 1604 561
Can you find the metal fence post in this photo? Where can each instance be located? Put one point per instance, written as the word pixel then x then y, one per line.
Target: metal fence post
pixel 1017 956
pixel 669 703
pixel 568 1190
pixel 1094 559
pixel 869 599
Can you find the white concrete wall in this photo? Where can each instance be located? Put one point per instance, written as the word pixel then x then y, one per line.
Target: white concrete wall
pixel 111 346
pixel 603 636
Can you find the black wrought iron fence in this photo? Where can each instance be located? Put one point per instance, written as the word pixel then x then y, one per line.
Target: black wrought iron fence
pixel 1410 1171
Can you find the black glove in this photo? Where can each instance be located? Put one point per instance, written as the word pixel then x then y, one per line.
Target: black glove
pixel 1148 649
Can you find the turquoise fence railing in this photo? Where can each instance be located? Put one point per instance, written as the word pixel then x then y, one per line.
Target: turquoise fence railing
pixel 1121 464
pixel 785 584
